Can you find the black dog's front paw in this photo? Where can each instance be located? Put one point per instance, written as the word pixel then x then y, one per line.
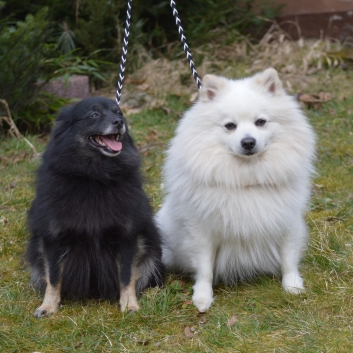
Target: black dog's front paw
pixel 45 310
pixel 40 313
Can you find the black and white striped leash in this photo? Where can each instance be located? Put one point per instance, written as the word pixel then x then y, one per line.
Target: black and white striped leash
pixel 124 51
pixel 126 41
pixel 186 47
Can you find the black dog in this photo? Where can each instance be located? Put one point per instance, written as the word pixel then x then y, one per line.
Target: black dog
pixel 92 231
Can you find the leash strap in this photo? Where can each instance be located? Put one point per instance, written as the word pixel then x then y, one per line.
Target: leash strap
pixel 186 47
pixel 126 41
pixel 124 51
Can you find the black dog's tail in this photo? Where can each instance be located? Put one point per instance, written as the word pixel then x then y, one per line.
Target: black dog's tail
pixel 152 274
pixel 151 266
pixel 90 273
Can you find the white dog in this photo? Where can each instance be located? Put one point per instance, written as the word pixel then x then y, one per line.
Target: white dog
pixel 237 181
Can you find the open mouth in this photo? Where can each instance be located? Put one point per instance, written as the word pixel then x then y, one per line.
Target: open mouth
pixel 108 144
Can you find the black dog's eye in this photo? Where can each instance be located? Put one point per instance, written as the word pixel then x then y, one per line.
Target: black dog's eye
pixel 230 126
pixel 260 122
pixel 94 115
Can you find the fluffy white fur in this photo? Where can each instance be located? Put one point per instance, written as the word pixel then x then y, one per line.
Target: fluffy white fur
pixel 228 216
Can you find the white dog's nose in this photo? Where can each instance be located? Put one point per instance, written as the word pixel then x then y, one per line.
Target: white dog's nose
pixel 248 143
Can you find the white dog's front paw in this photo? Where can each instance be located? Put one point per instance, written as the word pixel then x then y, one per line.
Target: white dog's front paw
pixel 293 283
pixel 203 297
pixel 202 303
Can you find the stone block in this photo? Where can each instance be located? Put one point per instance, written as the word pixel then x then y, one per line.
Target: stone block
pixel 77 86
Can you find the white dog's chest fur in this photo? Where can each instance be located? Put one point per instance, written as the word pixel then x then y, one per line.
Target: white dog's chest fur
pixel 241 212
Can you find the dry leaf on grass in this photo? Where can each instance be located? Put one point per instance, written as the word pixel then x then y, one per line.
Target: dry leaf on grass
pixel 146 316
pixel 332 111
pixel 189 332
pixel 4 220
pixel 203 320
pixel 232 321
pixel 10 186
pixel 142 342
pixel 78 344
pixel 314 100
pixel 186 303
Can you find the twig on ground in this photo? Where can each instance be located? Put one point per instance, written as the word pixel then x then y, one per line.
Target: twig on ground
pixel 13 128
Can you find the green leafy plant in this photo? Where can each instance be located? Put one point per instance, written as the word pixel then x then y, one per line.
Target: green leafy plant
pixel 30 56
pixel 70 64
pixel 66 39
pixel 22 48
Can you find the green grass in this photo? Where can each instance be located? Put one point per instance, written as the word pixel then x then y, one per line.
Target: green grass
pixel 268 320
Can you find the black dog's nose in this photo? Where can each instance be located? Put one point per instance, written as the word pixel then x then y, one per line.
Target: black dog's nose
pixel 248 143
pixel 119 123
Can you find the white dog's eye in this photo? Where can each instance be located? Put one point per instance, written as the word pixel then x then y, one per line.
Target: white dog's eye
pixel 230 126
pixel 260 122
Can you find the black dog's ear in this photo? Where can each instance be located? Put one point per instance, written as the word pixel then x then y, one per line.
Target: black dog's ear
pixel 63 121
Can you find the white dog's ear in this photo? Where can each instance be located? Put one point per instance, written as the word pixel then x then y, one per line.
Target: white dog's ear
pixel 211 85
pixel 269 80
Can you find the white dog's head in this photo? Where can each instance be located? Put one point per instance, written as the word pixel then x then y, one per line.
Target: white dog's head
pixel 242 132
pixel 245 111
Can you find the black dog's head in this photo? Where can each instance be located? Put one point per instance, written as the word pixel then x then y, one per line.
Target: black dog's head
pixel 97 123
pixel 92 138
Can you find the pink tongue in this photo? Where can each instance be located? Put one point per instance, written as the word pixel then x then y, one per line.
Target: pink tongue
pixel 112 143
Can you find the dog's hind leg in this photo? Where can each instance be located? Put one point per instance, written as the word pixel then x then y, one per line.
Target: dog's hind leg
pixel 53 276
pixel 128 299
pixel 291 252
pixel 129 274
